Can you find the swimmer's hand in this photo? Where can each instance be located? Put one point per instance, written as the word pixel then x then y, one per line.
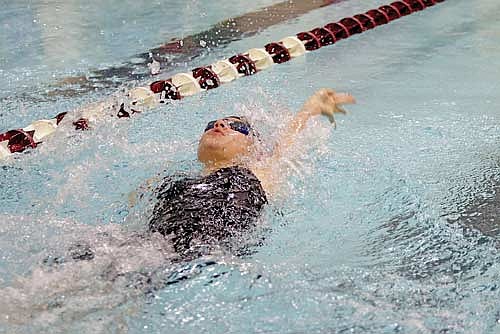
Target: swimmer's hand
pixel 135 195
pixel 327 102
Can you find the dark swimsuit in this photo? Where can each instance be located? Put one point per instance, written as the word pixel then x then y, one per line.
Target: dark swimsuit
pixel 208 210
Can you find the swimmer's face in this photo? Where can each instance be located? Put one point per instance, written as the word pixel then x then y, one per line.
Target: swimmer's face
pixel 225 140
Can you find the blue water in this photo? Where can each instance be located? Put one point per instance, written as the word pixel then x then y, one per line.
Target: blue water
pixel 367 239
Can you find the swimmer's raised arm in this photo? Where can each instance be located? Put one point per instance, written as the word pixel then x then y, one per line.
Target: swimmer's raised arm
pixel 325 102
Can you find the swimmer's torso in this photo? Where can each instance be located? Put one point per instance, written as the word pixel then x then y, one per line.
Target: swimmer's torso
pixel 208 209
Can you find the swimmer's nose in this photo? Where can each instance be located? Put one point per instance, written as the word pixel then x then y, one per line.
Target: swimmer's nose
pixel 220 124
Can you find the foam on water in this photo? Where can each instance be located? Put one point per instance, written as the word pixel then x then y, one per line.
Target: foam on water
pixel 44 286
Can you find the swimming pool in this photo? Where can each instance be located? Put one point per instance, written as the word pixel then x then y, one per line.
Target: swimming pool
pixel 371 237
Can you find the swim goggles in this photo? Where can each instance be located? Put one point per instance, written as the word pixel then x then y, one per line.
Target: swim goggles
pixel 240 126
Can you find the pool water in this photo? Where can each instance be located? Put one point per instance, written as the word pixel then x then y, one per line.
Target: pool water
pixel 372 236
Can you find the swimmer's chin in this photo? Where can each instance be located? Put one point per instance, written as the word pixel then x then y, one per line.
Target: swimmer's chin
pixel 212 145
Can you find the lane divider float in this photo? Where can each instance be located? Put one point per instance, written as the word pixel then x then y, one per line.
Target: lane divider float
pixel 212 76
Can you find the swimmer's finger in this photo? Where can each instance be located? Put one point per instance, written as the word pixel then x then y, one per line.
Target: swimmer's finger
pixel 339 109
pixel 330 115
pixel 333 122
pixel 344 98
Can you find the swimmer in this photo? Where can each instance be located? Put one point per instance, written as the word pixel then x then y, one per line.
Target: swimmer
pixel 229 196
pixel 107 266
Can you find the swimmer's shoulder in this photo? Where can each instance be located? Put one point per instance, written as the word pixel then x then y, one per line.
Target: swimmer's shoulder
pixel 265 177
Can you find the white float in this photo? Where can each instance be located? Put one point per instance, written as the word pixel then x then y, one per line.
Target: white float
pixel 294 46
pixel 261 58
pixel 225 70
pixel 186 84
pixel 42 128
pixel 4 149
pixel 142 97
